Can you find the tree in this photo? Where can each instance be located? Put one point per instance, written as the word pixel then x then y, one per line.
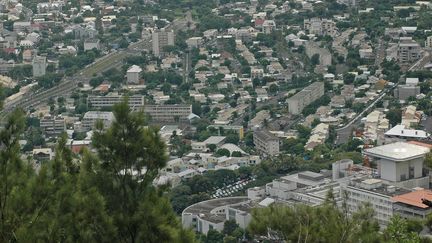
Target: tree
pixel 315 59
pixel 397 232
pixel 326 223
pixel 394 116
pixel 131 156
pixel 236 154
pixel 223 152
pixel 232 138
pixel 348 78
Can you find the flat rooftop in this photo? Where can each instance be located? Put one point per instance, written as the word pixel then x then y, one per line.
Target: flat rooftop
pixel 400 151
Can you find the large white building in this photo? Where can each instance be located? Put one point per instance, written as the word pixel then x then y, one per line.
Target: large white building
pixel 39 66
pixel 53 125
pixel 91 117
pixel 133 74
pixel 299 101
pixel 317 26
pixel 160 39
pixel 168 113
pixel 134 101
pixel 400 163
pixel 266 143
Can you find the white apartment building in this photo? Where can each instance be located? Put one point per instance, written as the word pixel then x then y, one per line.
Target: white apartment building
pixel 39 66
pixel 299 101
pixel 134 101
pixel 91 117
pixel 428 42
pixel 408 50
pixel 53 125
pixel 266 143
pixel 318 136
pixel 133 74
pixel 318 26
pixel 168 113
pixel 162 38
pixel 358 192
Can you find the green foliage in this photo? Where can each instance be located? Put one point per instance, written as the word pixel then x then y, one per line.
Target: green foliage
pixel 105 198
pixel 223 152
pixel 326 223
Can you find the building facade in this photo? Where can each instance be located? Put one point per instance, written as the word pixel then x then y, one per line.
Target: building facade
pixel 299 101
pixel 266 143
pixel 162 38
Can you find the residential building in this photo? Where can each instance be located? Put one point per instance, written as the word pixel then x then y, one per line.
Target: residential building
pixel 162 38
pixel 428 42
pixel 53 126
pixel 21 26
pixel 268 26
pixel 133 74
pixel 376 124
pixel 318 136
pixel 266 143
pixel 39 66
pixel 400 133
pixel 42 154
pixel 91 117
pixel 410 116
pixel 318 26
pixel 375 192
pixel 299 101
pixel 91 44
pixel 408 50
pixel 168 113
pixel 96 101
pixel 194 42
pixel 404 91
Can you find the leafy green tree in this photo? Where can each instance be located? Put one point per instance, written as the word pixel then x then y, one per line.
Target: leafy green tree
pixel 223 152
pixel 397 232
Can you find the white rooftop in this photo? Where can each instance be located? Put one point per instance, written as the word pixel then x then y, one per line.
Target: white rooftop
pixel 401 131
pixel 399 151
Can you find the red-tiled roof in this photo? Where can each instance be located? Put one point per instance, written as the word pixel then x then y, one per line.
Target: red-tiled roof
pixel 421 144
pixel 414 198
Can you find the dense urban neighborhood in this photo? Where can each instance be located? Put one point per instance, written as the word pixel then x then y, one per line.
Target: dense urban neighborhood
pixel 216 121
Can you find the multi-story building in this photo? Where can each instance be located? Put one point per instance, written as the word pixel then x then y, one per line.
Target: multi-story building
pixel 266 143
pixel 410 116
pixel 134 101
pixel 39 66
pixel 53 125
pixel 162 38
pixel 428 42
pixel 133 74
pixel 377 194
pixel 318 136
pixel 268 26
pixel 91 117
pixel 168 113
pixel 408 50
pixel 319 26
pixel 401 164
pixel 21 26
pixel 91 44
pixel 299 101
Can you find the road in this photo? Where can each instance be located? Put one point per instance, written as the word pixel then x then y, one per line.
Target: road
pixel 345 132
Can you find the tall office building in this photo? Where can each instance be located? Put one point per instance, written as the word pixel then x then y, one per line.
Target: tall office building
pixel 162 38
